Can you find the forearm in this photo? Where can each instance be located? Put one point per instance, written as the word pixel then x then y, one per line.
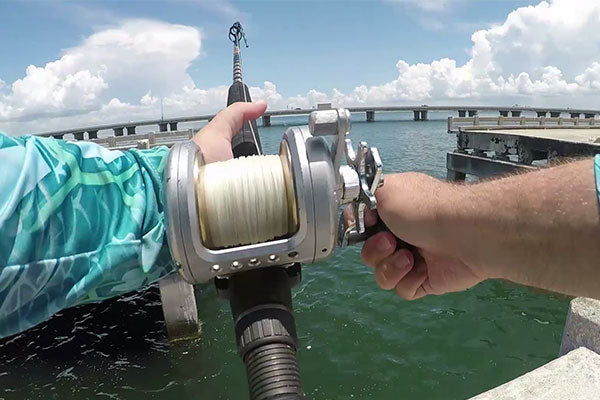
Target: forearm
pixel 540 229
pixel 78 223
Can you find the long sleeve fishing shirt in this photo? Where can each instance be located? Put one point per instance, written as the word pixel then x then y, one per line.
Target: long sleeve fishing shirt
pixel 78 224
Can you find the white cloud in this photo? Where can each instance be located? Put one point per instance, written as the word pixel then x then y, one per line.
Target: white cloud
pixel 545 55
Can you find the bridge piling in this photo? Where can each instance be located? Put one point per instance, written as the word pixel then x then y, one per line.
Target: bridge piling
pixel 118 131
pixel 589 115
pixel 130 130
pixel 162 127
pixel 266 120
pixel 424 115
pixel 504 113
pixel 575 115
pixel 473 113
pixel 78 135
pixel 516 113
pixel 370 116
pixel 93 134
pixel 173 126
pixel 541 113
pixel 554 114
pixel 416 115
pixel 462 113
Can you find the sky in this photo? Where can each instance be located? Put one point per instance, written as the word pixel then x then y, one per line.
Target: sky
pixel 77 63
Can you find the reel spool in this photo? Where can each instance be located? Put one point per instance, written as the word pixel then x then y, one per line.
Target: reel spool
pixel 261 211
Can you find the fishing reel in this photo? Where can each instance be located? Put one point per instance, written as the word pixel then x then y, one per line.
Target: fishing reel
pixel 314 184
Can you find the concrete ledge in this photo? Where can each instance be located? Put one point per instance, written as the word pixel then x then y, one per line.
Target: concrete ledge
pixel 582 327
pixel 575 376
pixel 179 308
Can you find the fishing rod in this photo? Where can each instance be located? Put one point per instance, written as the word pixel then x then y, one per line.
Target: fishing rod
pixel 275 212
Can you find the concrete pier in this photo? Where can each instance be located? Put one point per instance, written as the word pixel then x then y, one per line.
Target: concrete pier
pixel 462 113
pixel 582 327
pixel 266 120
pixel 503 113
pixel 589 115
pixel 554 114
pixel 179 308
pixel 118 131
pixel 78 135
pixel 93 134
pixel 575 115
pixel 541 113
pixel 473 113
pixel 370 116
pixel 162 127
pixel 420 115
pixel 130 130
pixel 516 113
pixel 575 376
pixel 173 126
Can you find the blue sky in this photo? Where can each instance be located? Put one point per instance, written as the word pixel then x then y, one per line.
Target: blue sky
pixel 69 63
pixel 301 45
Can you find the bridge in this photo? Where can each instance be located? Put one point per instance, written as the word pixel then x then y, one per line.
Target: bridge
pixel 420 113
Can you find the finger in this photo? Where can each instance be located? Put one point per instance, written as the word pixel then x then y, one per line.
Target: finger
pixel 410 287
pixel 348 215
pixel 392 269
pixel 229 121
pixel 378 247
pixel 371 217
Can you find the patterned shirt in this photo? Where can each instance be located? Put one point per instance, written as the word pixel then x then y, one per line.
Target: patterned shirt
pixel 78 224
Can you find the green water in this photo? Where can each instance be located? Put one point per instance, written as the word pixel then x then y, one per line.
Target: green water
pixel 356 341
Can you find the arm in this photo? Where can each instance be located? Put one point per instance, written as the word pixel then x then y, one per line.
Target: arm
pixel 540 229
pixel 80 223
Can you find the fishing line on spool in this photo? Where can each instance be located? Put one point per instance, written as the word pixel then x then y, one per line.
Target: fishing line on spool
pixel 243 201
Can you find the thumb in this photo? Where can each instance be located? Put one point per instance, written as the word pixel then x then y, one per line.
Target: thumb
pixel 229 121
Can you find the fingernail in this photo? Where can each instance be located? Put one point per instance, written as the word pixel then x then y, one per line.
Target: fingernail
pixel 384 243
pixel 401 260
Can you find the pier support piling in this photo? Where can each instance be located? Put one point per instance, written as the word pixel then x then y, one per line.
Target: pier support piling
pixel 504 113
pixel 575 115
pixel 589 115
pixel 541 113
pixel 516 113
pixel 118 131
pixel 266 120
pixel 130 130
pixel 173 126
pixel 162 127
pixel 462 113
pixel 179 307
pixel 423 115
pixel 473 113
pixel 554 114
pixel 78 135
pixel 370 116
pixel 93 134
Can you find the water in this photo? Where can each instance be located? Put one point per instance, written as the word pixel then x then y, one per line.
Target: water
pixel 356 341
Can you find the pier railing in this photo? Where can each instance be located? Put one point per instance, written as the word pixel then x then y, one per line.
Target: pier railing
pixel 478 123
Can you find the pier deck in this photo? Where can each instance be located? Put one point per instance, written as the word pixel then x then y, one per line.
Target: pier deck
pixel 497 145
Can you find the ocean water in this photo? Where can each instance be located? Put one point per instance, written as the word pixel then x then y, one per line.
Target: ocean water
pixel 356 341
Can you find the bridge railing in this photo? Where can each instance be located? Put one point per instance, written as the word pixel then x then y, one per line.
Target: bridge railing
pixel 489 123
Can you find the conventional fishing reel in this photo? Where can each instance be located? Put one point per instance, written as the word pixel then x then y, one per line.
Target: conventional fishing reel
pixel 260 211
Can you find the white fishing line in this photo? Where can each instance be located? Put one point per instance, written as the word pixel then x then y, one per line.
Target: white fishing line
pixel 244 200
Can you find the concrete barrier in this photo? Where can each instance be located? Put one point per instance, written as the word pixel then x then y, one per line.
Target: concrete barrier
pixel 582 327
pixel 179 308
pixel 574 376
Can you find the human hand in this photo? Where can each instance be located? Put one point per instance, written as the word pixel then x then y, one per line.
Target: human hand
pixel 214 139
pixel 410 205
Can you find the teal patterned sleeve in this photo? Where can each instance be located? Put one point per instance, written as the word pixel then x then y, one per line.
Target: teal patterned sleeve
pixel 78 223
pixel 597 174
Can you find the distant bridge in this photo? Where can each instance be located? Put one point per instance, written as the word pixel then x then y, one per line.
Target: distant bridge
pixel 420 113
